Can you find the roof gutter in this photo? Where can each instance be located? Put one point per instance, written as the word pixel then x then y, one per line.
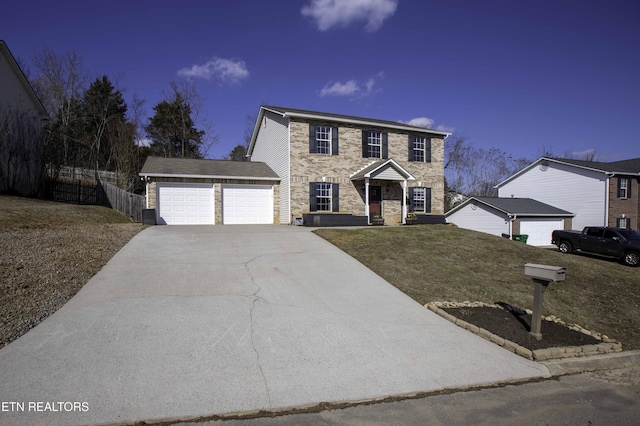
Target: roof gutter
pixel 148 175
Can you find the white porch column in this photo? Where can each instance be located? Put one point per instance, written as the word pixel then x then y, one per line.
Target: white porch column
pixel 404 201
pixel 366 199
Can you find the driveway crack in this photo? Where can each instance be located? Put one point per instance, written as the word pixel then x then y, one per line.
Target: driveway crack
pixel 256 298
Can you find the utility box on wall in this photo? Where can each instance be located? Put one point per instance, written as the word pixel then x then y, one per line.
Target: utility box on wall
pixel 149 216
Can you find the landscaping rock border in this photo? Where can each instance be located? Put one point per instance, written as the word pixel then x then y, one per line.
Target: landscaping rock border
pixel 607 346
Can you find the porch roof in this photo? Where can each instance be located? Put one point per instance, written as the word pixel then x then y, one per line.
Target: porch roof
pixel 383 170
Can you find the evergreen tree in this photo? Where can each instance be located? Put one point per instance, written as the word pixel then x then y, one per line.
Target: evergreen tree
pixel 172 131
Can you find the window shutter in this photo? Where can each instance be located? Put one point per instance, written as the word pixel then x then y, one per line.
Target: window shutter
pixel 312 197
pixel 427 200
pixel 335 197
pixel 385 146
pixel 619 187
pixel 629 187
pixel 427 150
pixel 334 141
pixel 312 139
pixel 410 203
pixel 410 148
pixel 365 147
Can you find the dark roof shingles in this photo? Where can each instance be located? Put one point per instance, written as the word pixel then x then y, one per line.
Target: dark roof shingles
pixel 197 167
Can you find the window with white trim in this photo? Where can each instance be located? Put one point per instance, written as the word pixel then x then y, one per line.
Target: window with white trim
pixel 623 222
pixel 323 139
pixel 418 148
pixel 418 200
pixel 374 143
pixel 323 197
pixel 623 188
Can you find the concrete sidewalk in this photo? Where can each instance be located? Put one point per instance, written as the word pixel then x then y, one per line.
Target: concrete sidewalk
pixel 186 322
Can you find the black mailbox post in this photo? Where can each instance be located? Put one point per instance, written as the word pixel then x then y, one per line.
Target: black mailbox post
pixel 542 276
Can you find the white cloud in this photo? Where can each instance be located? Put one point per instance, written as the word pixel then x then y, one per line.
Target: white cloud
pixel 230 71
pixel 425 122
pixel 428 123
pixel 352 87
pixel 340 89
pixel 329 13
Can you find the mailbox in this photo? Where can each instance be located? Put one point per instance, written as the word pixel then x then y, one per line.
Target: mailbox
pixel 544 272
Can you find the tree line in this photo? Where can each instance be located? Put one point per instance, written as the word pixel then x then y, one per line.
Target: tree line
pixel 91 126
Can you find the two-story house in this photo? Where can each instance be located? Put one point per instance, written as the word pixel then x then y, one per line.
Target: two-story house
pixel 342 170
pixel 598 193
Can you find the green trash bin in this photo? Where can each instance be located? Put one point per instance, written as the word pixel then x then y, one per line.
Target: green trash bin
pixel 520 237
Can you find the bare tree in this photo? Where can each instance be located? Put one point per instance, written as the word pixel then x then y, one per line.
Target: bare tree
pixel 471 171
pixel 59 84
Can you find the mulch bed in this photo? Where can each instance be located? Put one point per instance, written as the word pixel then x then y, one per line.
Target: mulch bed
pixel 515 328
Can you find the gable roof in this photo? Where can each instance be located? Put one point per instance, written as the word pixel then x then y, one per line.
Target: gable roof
pixel 338 118
pixel 220 169
pixel 625 167
pixel 13 64
pixel 515 206
pixel 377 167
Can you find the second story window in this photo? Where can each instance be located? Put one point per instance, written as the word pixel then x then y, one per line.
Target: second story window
pixel 623 188
pixel 323 139
pixel 418 149
pixel 374 144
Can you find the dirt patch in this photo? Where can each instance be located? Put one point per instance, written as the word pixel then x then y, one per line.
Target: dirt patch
pixel 48 251
pixel 515 328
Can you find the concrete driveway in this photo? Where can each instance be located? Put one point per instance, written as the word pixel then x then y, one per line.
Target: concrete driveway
pixel 197 321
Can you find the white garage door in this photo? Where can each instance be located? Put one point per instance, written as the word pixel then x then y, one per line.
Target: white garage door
pixel 539 230
pixel 185 204
pixel 247 204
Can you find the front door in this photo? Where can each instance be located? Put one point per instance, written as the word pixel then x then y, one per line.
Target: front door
pixel 375 201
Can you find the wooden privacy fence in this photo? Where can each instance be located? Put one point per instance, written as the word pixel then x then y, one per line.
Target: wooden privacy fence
pixel 71 192
pixel 128 204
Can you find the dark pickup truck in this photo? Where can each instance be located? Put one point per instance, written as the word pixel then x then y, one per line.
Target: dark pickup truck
pixel 619 243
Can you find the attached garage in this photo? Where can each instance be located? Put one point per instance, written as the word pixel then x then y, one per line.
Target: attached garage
pixel 510 216
pixel 207 192
pixel 185 204
pixel 247 204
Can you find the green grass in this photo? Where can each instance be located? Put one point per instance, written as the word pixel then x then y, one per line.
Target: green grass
pixel 19 211
pixel 445 263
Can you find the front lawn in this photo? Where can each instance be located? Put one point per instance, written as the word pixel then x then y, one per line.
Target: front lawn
pixel 445 263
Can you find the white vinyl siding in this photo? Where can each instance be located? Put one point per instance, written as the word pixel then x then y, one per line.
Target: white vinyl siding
pixel 480 218
pixel 272 148
pixel 575 190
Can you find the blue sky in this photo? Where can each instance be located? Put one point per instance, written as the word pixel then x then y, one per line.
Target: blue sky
pixel 513 75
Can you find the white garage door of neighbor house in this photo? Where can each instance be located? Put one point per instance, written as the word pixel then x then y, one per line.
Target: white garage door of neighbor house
pixel 185 204
pixel 539 230
pixel 247 204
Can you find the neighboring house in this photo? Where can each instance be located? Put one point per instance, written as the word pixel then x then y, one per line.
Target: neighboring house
pixel 206 192
pixel 22 117
pixel 340 170
pixel 511 216
pixel 599 194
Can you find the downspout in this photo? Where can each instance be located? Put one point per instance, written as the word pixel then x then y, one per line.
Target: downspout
pixel 512 218
pixel 606 198
pixel 146 190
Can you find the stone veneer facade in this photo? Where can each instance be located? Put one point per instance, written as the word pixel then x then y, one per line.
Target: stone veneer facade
pixel 310 167
pixel 217 193
pixel 629 207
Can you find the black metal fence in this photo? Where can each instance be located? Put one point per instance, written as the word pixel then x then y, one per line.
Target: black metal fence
pixel 71 192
